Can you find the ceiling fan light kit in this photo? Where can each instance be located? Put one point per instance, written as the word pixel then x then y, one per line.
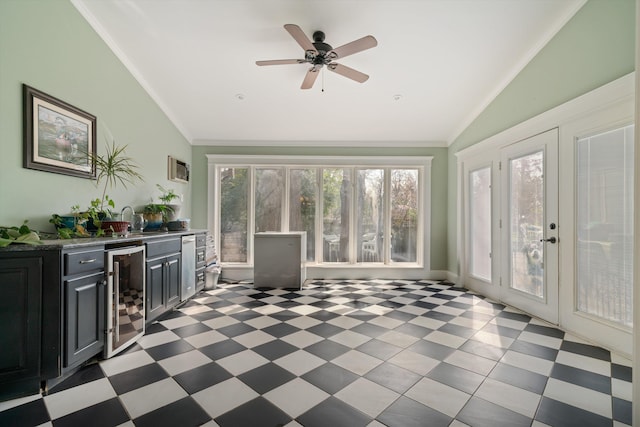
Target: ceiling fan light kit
pixel 318 54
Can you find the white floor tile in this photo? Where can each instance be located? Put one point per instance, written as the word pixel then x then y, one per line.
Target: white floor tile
pixel 305 310
pixel 125 362
pixel 254 338
pixel 357 362
pixel 580 397
pixel 183 362
pixel 302 339
pixel 205 338
pixel 262 322
pixel 367 396
pixel 220 322
pixel 148 341
pixel 471 362
pixel 345 322
pixel 621 389
pixel 398 339
pixel 438 396
pixel 242 362
pixel 296 397
pixel 386 322
pixel 443 338
pixel 414 362
pixel 583 362
pixel 514 398
pixel 427 322
pixel 350 338
pixel 525 361
pixel 543 340
pixel 299 362
pixel 80 397
pixel 493 339
pixel 153 396
pixel 224 396
pixel 303 322
pixel 178 322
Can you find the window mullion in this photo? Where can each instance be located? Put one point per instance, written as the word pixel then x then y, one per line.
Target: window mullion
pixel 251 217
pixel 386 238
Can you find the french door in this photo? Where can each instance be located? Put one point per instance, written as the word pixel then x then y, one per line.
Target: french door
pixel 529 225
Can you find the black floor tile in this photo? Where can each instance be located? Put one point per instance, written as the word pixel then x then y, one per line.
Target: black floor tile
pixel 84 375
pixel 257 412
pixel 184 413
pixel 104 414
pixel 204 376
pixel 266 377
pixel 480 413
pixel 534 350
pixel 189 330
pixel 137 377
pixel 325 330
pixel 28 415
pixel 379 349
pixel 621 372
pixel 222 349
pixel 586 350
pixel 248 314
pixel 327 349
pixel 622 411
pixel 275 349
pixel 154 328
pixel 457 330
pixel 372 331
pixel 169 349
pixel 513 316
pixel 459 378
pixel 236 329
pixel 406 412
pixel 560 414
pixel 518 377
pixel 335 413
pixel 280 330
pixel 330 378
pixel 443 317
pixel 581 377
pixel 400 315
pixel 431 349
pixel 393 377
pixel 545 330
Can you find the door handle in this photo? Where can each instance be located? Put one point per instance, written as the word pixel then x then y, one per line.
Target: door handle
pixel 550 240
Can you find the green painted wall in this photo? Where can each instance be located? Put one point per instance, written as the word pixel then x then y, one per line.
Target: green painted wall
pixel 49 46
pixel 594 48
pixel 438 186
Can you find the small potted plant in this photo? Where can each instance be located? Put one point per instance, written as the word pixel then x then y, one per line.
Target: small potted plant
pixel 154 214
pixel 168 196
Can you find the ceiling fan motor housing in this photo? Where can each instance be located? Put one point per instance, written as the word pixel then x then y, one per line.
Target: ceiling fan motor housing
pixel 318 43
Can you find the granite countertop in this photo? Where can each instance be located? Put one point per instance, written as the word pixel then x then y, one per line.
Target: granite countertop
pixel 56 244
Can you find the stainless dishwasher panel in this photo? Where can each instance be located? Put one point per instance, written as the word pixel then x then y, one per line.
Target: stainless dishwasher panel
pixel 188 288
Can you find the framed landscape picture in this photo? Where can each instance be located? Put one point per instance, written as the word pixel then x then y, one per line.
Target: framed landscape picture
pixel 58 137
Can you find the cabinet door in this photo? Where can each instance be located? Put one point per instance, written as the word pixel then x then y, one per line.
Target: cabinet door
pixel 155 289
pixel 20 325
pixel 85 318
pixel 172 279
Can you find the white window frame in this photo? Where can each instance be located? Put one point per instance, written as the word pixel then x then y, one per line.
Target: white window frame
pixel 244 271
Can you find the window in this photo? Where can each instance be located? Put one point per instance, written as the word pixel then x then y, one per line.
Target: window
pixel 368 213
pixel 604 225
pixel 480 223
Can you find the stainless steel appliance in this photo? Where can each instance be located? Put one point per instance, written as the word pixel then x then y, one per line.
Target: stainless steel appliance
pixel 188 267
pixel 125 297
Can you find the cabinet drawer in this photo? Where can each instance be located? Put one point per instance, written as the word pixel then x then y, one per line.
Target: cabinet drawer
pixel 83 261
pixel 201 240
pixel 164 246
pixel 200 257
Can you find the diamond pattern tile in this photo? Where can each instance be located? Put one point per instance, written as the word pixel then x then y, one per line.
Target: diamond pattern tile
pixel 342 353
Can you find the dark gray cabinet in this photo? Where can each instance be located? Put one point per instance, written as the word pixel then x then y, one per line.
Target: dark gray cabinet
pixel 201 261
pixel 28 329
pixel 84 305
pixel 163 272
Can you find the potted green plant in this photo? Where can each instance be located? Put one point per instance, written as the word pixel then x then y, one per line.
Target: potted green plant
pixel 169 199
pixel 74 225
pixel 154 214
pixel 112 168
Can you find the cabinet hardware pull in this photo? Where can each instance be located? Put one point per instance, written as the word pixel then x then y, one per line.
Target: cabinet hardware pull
pixel 87 261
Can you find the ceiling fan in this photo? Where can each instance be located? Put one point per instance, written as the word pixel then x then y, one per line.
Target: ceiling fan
pixel 318 53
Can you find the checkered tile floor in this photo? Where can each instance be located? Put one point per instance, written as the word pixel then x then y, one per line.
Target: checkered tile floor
pixel 343 353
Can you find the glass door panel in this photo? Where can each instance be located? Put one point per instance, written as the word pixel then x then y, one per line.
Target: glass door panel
pixel 234 201
pixel 529 276
pixel 370 219
pixel 302 205
pixel 336 193
pixel 526 223
pixel 480 223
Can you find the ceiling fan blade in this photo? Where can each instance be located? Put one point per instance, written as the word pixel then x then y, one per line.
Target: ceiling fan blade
pixel 348 72
pixel 310 78
pixel 366 42
pixel 299 36
pixel 281 62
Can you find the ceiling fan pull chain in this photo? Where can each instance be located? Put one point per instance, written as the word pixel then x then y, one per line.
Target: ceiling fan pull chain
pixel 322 79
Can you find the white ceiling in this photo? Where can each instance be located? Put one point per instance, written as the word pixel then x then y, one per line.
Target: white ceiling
pixel 446 59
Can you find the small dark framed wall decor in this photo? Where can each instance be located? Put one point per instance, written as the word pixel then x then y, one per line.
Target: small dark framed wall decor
pixel 58 137
pixel 178 170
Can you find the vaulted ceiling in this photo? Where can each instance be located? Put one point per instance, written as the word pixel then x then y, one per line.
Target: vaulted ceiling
pixel 437 65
